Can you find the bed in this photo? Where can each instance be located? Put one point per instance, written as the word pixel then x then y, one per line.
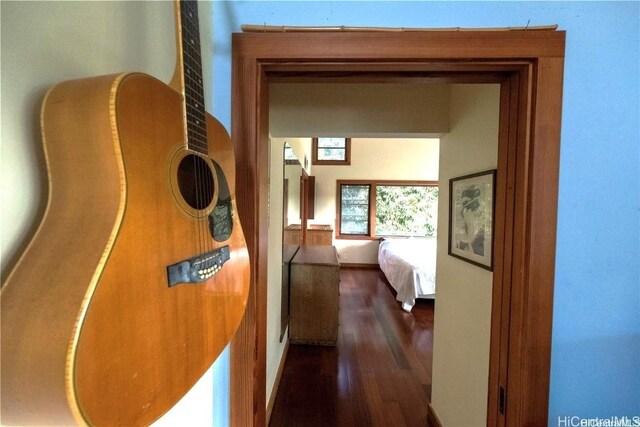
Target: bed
pixel 410 267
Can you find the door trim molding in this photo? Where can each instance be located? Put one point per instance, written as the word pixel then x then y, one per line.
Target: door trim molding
pixel 529 67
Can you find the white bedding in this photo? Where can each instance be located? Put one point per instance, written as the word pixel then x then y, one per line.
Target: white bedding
pixel 410 267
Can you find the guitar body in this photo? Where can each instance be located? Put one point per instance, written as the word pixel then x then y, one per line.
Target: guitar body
pixel 91 330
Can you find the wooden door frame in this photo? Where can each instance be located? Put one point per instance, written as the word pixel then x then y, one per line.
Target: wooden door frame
pixel 529 67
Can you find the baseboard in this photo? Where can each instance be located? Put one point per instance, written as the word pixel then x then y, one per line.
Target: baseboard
pixel 276 385
pixel 432 418
pixel 360 266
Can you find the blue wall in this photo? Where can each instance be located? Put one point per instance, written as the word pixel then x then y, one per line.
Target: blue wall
pixel 596 329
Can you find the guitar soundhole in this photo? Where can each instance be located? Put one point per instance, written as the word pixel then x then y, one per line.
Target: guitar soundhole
pixel 195 181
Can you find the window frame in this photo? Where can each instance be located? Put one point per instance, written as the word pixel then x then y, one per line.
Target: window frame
pixel 373 185
pixel 345 162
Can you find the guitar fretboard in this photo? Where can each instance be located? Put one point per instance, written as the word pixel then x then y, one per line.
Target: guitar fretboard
pixel 193 86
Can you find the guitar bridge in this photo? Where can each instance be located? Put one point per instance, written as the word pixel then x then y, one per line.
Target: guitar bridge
pixel 199 268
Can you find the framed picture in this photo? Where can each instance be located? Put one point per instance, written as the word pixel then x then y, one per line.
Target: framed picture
pixel 471 213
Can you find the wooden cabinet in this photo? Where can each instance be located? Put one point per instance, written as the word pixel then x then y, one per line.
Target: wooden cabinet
pixel 319 235
pixel 316 235
pixel 292 235
pixel 315 298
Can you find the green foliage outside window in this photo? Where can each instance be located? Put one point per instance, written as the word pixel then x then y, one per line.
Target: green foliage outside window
pixel 406 210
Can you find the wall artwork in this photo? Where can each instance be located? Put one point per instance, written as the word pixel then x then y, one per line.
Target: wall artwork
pixel 471 209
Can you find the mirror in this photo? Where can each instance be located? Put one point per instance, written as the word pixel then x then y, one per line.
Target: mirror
pixel 292 221
pixel 291 226
pixel 291 198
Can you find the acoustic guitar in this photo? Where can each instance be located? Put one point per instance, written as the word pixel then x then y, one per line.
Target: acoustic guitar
pixel 138 274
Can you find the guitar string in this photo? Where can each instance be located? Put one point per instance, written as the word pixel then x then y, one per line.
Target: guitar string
pixel 203 178
pixel 200 110
pixel 191 134
pixel 210 228
pixel 196 66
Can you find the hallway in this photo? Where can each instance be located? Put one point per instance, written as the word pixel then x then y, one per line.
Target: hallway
pixel 378 374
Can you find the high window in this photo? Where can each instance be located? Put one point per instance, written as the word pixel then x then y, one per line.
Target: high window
pixel 331 151
pixel 370 209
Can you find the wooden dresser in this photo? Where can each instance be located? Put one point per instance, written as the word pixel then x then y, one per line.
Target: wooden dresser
pixel 317 234
pixel 291 235
pixel 315 298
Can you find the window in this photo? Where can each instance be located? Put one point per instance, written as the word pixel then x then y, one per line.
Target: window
pixel 406 210
pixel 368 209
pixel 331 151
pixel 354 212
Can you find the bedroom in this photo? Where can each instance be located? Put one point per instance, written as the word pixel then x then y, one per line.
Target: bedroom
pixel 439 127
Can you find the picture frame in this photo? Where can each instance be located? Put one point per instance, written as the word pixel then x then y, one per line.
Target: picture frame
pixel 471 218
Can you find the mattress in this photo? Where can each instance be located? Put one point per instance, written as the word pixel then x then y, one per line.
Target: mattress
pixel 410 267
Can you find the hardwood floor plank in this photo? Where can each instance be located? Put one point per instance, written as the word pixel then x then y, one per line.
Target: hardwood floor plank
pixel 379 414
pixel 352 394
pixel 391 337
pixel 379 373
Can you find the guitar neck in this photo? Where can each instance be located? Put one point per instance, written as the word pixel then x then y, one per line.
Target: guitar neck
pixel 188 76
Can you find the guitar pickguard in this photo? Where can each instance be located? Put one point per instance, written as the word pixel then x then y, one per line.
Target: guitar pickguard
pixel 221 217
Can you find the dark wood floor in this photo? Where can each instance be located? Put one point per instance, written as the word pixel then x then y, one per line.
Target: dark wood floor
pixel 379 374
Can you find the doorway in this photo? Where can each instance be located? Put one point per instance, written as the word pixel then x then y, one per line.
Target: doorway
pixel 528 65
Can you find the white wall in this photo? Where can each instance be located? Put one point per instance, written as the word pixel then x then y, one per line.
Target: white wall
pixel 358 110
pixel 463 316
pixel 303 149
pixel 375 159
pixel 44 43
